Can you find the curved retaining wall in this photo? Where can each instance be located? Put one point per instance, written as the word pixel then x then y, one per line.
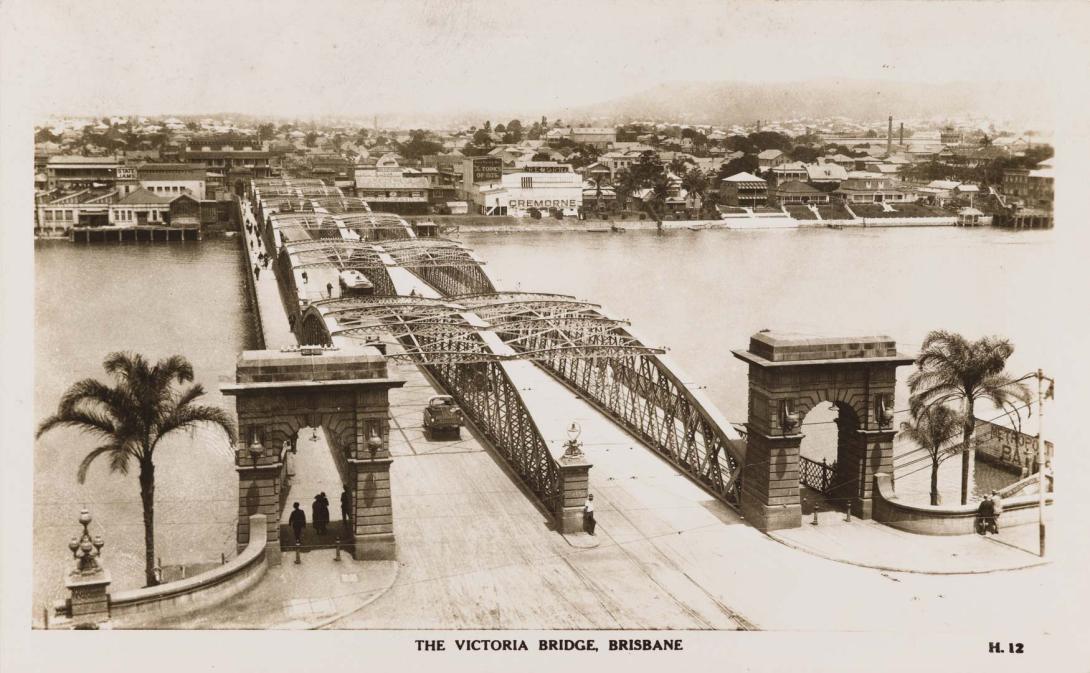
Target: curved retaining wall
pixel 944 519
pixel 143 608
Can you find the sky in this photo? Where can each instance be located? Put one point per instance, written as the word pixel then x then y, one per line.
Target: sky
pixel 362 58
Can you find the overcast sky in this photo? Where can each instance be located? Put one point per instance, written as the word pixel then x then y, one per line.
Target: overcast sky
pixel 289 58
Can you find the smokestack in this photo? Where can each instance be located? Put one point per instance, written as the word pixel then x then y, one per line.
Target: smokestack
pixel 889 136
pixel 902 143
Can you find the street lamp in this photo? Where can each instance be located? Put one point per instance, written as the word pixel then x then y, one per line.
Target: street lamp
pixel 1041 482
pixel 573 448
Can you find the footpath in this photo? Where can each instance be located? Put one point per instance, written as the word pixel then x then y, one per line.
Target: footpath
pixel 873 545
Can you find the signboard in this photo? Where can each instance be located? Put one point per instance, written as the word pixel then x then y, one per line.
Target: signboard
pixel 126 173
pixel 543 204
pixel 488 169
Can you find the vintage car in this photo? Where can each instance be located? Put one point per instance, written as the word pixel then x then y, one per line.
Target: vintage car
pixel 442 417
pixel 354 283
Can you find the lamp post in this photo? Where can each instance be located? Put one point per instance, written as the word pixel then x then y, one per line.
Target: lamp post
pixel 1041 481
pixel 573 448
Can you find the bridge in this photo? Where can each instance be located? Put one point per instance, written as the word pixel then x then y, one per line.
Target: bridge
pixel 434 307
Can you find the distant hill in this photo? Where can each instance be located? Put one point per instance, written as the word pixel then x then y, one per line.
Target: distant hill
pixel 745 102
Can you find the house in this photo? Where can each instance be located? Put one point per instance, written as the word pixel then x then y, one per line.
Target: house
pixel 743 190
pixel 862 187
pixel 75 172
pixel 789 171
pixel 825 173
pixel 795 192
pixel 770 158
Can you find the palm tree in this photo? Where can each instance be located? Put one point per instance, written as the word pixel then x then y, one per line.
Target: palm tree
pixel 932 428
pixel 625 184
pixel 131 417
pixel 678 164
pixel 660 191
pixel 952 368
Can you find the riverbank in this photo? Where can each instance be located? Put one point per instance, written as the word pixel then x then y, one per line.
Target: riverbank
pixel 618 226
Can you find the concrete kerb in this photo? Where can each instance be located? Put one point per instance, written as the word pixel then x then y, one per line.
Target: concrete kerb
pixel 913 571
pixel 351 611
pixel 298 624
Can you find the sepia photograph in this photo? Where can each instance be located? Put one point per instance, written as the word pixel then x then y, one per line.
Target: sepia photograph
pixel 599 331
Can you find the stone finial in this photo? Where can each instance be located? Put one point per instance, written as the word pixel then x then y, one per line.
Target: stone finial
pixel 86 549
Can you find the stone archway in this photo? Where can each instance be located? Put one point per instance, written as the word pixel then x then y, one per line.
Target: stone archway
pixel 788 376
pixel 346 392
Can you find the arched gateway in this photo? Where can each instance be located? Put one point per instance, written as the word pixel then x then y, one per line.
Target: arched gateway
pixel 788 376
pixel 346 392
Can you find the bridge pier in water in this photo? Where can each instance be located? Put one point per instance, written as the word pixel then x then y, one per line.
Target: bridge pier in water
pixel 788 376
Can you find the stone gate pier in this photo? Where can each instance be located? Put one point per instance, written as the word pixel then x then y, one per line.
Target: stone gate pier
pixel 345 391
pixel 788 376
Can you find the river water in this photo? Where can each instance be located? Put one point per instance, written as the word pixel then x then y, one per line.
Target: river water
pixel 700 293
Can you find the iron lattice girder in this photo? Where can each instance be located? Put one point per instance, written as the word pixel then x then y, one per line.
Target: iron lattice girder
pixel 643 396
pixel 434 330
pixel 336 252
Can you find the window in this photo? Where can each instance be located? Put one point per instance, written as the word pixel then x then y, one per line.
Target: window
pixel 527 183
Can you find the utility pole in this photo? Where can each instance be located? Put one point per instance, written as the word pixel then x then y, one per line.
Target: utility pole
pixel 1041 481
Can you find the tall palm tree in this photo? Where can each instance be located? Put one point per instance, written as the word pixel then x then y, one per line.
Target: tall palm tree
pixel 932 428
pixel 131 417
pixel 950 368
pixel 660 191
pixel 625 184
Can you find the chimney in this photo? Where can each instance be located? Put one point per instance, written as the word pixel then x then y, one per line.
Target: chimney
pixel 902 143
pixel 889 136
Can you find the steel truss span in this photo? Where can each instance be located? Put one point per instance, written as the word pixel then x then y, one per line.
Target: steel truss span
pixel 491 400
pixel 341 255
pixel 642 395
pixel 446 265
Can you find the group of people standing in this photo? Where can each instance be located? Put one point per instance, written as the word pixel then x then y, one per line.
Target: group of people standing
pixel 319 515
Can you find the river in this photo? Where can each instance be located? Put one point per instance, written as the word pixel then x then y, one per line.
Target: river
pixel 700 293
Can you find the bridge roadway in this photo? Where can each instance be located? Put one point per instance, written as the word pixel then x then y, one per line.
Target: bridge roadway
pixel 478 553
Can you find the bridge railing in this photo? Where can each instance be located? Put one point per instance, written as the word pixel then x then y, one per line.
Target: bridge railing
pixel 819 476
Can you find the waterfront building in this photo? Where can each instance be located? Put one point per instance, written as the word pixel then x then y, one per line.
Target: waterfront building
pixel 394 193
pixel 795 193
pixel 861 187
pixel 1033 187
pixel 57 215
pixel 743 190
pixel 547 186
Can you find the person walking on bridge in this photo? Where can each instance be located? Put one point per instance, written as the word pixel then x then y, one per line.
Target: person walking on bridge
pixel 297 521
pixel 346 507
pixel 589 524
pixel 329 290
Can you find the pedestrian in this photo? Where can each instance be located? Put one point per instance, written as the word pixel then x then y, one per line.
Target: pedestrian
pixel 324 511
pixel 305 277
pixel 289 460
pixel 266 261
pixel 329 289
pixel 997 509
pixel 346 506
pixel 315 515
pixel 297 521
pixel 291 322
pixel 257 272
pixel 985 512
pixel 588 515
